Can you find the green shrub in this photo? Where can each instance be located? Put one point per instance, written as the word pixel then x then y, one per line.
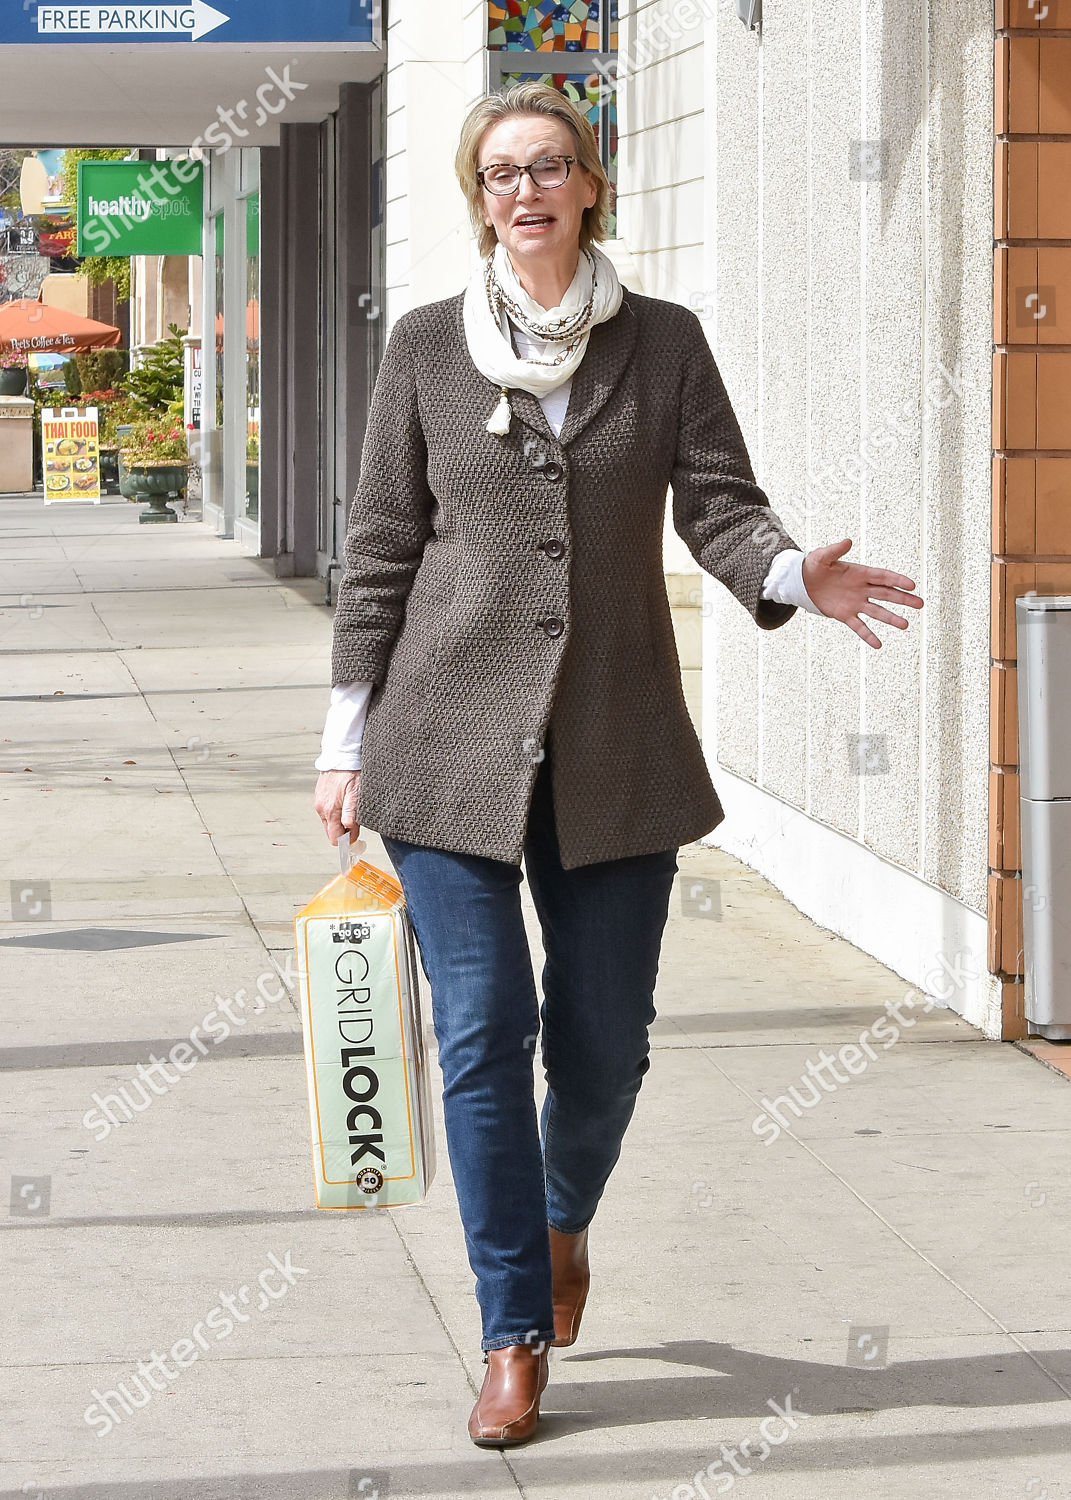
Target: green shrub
pixel 156 384
pixel 149 442
pixel 73 377
pixel 102 369
pixel 97 269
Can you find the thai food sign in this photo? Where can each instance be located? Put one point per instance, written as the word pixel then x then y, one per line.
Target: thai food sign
pixel 70 445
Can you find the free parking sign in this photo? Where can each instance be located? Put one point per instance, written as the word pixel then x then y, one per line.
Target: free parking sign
pixel 265 21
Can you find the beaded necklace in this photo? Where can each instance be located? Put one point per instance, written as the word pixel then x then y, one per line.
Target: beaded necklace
pixel 568 330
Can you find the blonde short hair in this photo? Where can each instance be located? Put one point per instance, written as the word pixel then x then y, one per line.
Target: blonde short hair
pixel 530 98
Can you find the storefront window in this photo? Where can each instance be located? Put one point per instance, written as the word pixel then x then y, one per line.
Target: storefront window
pixel 252 355
pixel 219 320
pixel 554 31
pixel 546 25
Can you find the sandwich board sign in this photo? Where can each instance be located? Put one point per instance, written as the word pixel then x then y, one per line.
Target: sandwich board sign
pixel 71 453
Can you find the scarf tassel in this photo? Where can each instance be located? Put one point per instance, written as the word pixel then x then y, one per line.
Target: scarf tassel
pixel 500 417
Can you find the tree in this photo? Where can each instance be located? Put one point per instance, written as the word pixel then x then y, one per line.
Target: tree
pixel 156 385
pixel 10 177
pixel 96 268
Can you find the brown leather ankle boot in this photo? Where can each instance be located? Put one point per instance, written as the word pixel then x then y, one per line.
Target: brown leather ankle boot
pixel 569 1266
pixel 507 1409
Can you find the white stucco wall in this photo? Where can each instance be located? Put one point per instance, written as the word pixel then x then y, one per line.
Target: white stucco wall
pixel 434 74
pixel 831 304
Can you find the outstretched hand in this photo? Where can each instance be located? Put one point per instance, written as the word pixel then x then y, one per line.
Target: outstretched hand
pixel 845 590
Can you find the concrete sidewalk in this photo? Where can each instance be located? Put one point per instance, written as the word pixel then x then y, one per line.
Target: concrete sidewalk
pixel 882 1258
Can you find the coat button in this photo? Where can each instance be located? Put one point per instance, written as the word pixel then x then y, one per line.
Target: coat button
pixel 553 548
pixel 552 625
pixel 552 470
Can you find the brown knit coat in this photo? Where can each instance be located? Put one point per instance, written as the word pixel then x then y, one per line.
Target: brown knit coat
pixel 495 585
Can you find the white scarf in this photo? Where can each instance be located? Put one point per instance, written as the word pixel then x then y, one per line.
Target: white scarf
pixel 564 326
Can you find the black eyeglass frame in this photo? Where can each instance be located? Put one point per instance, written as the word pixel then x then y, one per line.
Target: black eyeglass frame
pixel 554 156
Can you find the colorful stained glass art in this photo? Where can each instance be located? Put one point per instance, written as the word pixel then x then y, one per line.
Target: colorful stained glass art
pixel 591 95
pixel 548 26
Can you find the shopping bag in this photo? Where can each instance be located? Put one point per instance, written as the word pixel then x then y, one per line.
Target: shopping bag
pixel 373 1143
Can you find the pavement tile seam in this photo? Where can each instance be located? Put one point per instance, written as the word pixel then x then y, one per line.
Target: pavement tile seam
pixel 434 1303
pixel 1040 1049
pixel 751 1042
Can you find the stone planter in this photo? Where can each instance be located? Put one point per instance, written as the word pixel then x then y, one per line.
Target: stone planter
pixel 157 483
pixel 125 488
pixel 13 382
pixel 109 470
pixel 126 484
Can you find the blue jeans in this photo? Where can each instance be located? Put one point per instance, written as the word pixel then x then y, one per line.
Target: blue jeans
pixel 602 928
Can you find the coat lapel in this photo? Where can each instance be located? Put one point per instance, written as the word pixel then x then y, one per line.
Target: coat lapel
pixel 609 350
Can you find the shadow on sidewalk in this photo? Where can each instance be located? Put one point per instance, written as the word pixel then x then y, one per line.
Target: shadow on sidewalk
pixel 745 1383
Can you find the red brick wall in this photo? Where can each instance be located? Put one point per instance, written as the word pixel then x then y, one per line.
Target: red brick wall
pixel 1031 408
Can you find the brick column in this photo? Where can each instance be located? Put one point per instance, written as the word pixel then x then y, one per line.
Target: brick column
pixel 1031 410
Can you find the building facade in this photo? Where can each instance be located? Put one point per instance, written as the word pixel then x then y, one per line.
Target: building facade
pixel 823 189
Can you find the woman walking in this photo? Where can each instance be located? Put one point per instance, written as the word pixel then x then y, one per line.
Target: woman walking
pixel 506 678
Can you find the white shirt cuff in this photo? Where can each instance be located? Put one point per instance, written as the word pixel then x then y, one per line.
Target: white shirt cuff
pixel 784 582
pixel 340 747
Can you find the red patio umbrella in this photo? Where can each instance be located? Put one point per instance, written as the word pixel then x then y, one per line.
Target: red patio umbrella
pixel 29 326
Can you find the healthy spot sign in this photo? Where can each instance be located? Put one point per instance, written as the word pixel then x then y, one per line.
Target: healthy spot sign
pixel 140 207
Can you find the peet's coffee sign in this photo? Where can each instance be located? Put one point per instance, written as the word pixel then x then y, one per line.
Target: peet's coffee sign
pixel 140 207
pixel 44 341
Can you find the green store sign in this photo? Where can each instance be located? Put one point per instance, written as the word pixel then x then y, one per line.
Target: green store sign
pixel 140 207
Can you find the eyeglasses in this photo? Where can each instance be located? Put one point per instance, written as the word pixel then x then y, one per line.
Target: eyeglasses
pixel 504 177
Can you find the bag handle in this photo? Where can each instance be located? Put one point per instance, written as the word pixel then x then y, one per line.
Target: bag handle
pixel 349 850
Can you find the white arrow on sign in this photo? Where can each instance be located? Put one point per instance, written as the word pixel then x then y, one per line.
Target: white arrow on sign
pixel 129 20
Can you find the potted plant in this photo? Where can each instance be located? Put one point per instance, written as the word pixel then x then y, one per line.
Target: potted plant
pixel 156 383
pixel 113 410
pixel 156 460
pixel 13 373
